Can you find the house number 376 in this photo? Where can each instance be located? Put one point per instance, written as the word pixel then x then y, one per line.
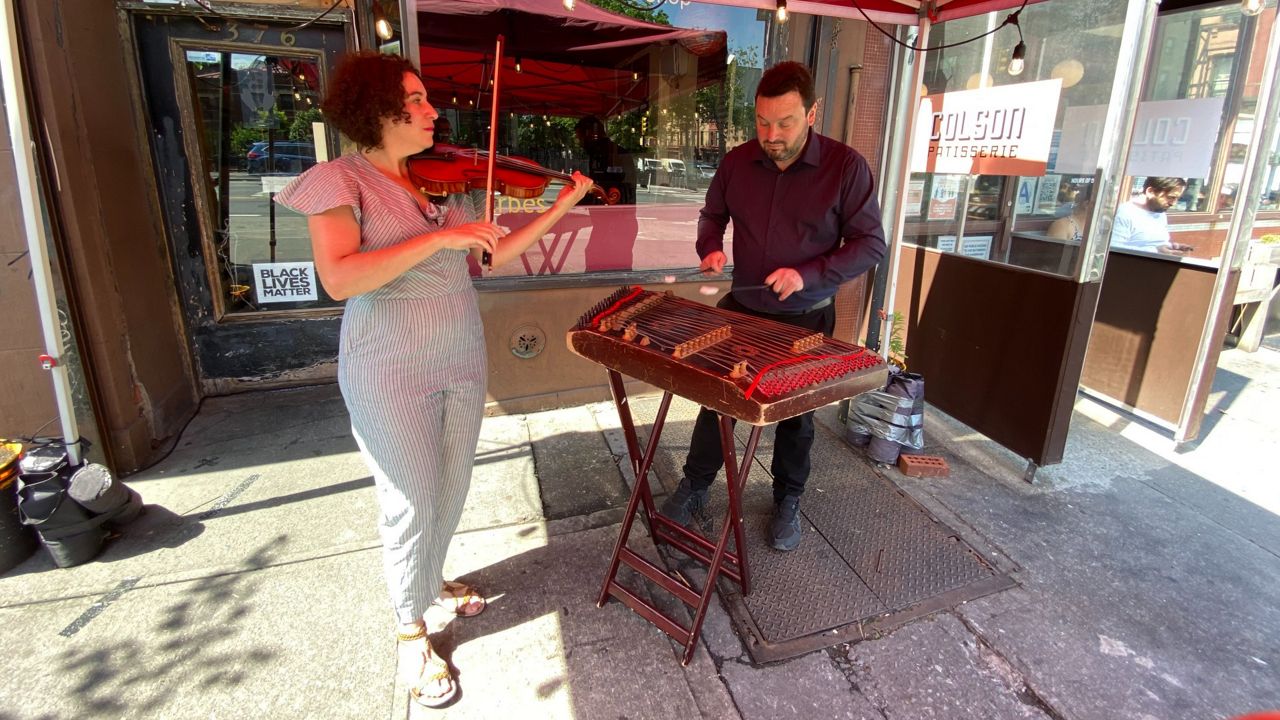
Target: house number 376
pixel 254 35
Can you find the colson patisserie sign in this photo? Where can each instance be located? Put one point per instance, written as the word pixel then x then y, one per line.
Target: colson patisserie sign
pixel 1006 130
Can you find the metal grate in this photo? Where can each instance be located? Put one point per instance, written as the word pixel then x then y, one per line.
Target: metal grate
pixel 869 553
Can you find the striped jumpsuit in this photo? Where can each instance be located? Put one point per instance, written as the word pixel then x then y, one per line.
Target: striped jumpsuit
pixel 411 366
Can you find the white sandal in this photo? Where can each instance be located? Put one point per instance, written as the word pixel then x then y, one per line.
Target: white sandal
pixel 434 672
pixel 460 599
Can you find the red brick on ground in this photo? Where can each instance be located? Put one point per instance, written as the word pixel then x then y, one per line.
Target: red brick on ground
pixel 923 466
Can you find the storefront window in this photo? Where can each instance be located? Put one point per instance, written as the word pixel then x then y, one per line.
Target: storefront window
pixel 1035 222
pixel 255 117
pixel 1192 74
pixel 648 123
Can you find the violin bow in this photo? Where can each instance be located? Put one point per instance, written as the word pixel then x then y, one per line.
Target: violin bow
pixel 487 258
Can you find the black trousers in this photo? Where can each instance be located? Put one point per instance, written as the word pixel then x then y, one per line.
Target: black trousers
pixel 794 438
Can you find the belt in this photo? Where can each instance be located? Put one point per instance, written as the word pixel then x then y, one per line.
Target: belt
pixel 824 302
pixel 812 308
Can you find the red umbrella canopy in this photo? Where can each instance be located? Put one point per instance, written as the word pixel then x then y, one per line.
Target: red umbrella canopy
pixel 895 12
pixel 583 62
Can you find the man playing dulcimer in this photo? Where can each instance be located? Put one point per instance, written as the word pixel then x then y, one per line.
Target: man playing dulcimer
pixel 805 220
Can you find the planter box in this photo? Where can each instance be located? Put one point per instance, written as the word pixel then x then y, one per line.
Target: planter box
pixel 1260 254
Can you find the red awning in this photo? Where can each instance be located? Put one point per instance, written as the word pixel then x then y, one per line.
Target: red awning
pixel 585 62
pixel 895 12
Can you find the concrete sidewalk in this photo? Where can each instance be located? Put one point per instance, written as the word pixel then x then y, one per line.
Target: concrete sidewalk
pixel 252 587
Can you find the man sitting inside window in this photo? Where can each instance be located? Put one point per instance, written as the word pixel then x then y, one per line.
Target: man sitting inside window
pixel 1143 223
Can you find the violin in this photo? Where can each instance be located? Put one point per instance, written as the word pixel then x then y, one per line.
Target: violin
pixel 448 169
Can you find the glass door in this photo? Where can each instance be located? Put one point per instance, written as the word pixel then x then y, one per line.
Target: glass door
pixel 234 111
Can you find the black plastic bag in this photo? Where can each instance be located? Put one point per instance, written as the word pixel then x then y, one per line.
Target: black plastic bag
pixel 71 508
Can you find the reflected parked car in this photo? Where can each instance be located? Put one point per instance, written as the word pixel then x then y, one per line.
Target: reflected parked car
pixel 651 172
pixel 705 171
pixel 285 157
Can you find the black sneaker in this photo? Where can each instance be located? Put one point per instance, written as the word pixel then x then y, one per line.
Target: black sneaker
pixel 784 529
pixel 687 505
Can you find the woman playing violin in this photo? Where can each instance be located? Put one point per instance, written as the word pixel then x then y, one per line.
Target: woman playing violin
pixel 411 357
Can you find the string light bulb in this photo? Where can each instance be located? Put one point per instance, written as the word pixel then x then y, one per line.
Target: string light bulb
pixel 1018 61
pixel 519 67
pixel 381 25
pixel 1251 7
pixel 569 4
pixel 782 11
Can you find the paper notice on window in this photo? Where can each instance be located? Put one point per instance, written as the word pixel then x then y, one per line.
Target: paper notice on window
pixel 275 183
pixel 284 282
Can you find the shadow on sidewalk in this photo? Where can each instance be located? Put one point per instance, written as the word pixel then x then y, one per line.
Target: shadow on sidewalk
pixel 192 638
pixel 156 528
pixel 543 639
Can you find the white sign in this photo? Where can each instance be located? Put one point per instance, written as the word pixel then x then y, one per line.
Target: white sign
pixel 1006 130
pixel 1175 138
pixel 275 183
pixel 1026 195
pixel 944 198
pixel 976 246
pixel 915 197
pixel 1171 138
pixel 1047 194
pixel 1081 139
pixel 285 282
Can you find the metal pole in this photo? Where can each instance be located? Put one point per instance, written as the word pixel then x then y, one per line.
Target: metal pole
pixel 1117 135
pixel 1261 140
pixel 15 95
pixel 910 106
pixel 409 33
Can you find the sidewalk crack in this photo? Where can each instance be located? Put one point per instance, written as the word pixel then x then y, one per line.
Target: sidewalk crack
pixel 1024 692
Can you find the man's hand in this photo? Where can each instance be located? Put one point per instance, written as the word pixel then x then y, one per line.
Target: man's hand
pixel 784 281
pixel 713 263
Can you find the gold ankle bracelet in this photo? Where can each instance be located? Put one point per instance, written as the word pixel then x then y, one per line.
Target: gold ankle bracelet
pixel 418 634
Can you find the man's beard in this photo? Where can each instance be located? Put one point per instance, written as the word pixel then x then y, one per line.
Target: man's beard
pixel 1156 206
pixel 782 153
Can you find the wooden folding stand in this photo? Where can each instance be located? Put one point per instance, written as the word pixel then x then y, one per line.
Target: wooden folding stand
pixel 717 557
pixel 745 368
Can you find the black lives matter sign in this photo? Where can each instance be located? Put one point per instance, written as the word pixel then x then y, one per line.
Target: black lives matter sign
pixel 284 282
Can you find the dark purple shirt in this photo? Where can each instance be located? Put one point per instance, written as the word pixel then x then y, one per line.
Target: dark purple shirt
pixel 819 217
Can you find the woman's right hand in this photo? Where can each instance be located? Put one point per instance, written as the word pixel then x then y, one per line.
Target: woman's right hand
pixel 472 236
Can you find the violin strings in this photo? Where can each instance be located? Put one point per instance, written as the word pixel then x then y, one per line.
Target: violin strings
pixel 511 163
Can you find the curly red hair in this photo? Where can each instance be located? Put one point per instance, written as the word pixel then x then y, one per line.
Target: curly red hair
pixel 367 87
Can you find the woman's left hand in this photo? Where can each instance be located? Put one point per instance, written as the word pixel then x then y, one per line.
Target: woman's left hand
pixel 573 194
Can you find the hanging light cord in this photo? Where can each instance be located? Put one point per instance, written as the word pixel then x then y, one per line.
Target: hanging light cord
pixel 1012 19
